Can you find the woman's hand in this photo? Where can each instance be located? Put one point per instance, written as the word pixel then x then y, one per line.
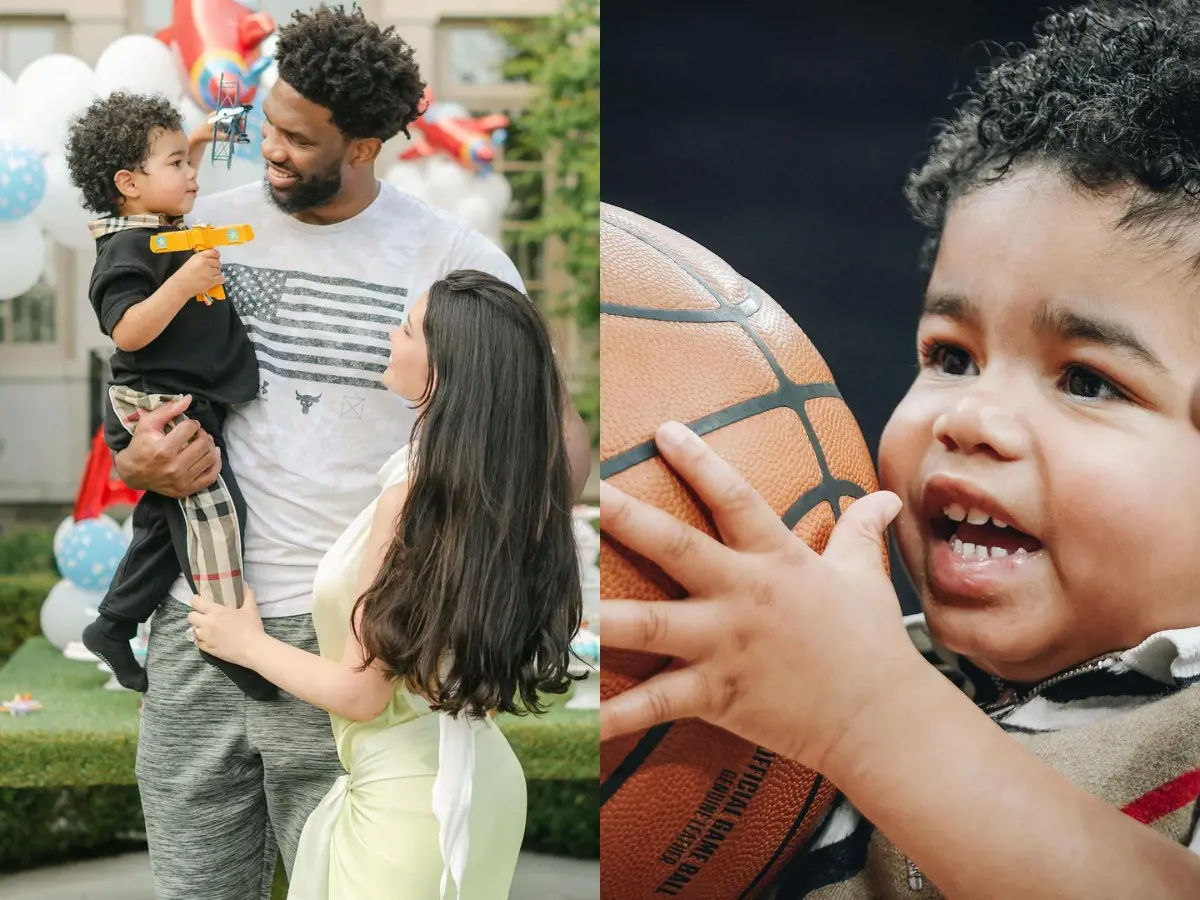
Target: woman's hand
pixel 231 634
pixel 782 646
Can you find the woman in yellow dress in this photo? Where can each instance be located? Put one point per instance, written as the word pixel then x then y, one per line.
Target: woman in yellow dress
pixel 452 597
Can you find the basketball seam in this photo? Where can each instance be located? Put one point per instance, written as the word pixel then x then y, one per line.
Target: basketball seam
pixel 779 851
pixel 632 761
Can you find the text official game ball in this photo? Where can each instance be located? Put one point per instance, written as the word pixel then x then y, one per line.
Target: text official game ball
pixel 687 809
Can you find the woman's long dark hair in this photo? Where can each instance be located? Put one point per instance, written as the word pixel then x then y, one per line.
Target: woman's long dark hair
pixel 484 563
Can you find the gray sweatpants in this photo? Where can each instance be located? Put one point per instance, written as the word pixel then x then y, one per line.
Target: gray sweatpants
pixel 226 782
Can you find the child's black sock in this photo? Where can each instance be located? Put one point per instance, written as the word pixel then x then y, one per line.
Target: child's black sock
pixel 248 681
pixel 109 639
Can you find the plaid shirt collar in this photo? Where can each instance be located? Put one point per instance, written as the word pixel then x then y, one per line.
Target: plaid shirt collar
pixel 113 224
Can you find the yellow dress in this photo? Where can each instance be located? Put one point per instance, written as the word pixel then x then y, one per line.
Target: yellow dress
pixel 430 807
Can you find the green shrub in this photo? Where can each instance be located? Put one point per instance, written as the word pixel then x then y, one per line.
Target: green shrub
pixel 43 825
pixel 564 818
pixel 68 782
pixel 21 598
pixel 24 550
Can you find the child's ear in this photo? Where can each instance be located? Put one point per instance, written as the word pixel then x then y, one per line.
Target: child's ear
pixel 125 184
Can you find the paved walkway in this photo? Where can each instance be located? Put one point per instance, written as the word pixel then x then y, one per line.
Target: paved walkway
pixel 128 878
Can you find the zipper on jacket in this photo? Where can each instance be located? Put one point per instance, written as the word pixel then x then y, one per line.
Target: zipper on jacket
pixel 1011 697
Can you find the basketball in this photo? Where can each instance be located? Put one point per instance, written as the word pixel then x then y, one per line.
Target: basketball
pixel 688 810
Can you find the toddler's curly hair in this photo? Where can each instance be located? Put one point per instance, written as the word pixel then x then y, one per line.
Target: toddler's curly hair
pixel 1108 95
pixel 112 134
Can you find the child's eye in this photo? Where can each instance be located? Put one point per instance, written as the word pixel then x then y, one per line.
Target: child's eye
pixel 1081 381
pixel 947 359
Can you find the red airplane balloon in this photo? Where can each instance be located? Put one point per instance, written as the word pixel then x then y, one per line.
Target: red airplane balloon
pixel 448 128
pixel 212 38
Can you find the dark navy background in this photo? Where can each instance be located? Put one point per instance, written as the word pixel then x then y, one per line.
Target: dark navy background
pixel 779 136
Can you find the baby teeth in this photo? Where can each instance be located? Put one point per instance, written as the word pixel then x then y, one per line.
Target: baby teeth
pixel 958 513
pixel 968 550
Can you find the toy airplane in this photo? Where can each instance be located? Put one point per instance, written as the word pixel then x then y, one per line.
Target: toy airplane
pixel 228 121
pixel 202 237
pixel 20 704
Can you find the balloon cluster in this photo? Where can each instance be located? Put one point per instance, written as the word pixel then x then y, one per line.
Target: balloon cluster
pixel 38 204
pixel 479 199
pixel 87 554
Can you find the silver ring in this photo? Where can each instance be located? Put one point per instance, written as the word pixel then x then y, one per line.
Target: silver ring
pixel 191 635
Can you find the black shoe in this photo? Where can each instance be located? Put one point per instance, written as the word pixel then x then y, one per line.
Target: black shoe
pixel 106 638
pixel 248 681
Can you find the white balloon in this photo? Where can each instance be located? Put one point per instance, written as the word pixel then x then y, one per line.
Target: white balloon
pixel 447 182
pixel 66 611
pixel 8 97
pixel 410 178
pixel 24 256
pixel 496 188
pixel 478 212
pixel 193 115
pixel 214 178
pixel 51 90
pixel 139 64
pixel 61 211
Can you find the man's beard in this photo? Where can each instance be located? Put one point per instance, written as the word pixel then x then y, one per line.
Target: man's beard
pixel 308 192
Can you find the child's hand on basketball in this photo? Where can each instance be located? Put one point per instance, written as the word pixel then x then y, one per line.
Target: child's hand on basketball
pixel 231 634
pixel 776 643
pixel 200 274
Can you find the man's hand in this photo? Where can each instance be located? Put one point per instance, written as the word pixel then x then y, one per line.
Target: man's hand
pixel 175 464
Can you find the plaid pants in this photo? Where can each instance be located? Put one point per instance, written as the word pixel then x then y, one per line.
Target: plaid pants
pixel 200 535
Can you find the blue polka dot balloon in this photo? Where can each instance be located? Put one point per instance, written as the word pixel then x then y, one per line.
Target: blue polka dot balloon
pixel 22 180
pixel 90 552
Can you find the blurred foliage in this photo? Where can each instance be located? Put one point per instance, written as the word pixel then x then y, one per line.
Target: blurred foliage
pixel 21 598
pixel 26 549
pixel 560 56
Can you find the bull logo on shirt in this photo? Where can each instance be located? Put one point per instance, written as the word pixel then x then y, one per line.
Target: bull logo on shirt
pixel 307 401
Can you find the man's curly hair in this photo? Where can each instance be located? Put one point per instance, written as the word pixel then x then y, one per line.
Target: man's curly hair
pixel 363 74
pixel 112 134
pixel 1108 95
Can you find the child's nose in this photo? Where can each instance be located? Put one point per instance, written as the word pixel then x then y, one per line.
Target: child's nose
pixel 978 423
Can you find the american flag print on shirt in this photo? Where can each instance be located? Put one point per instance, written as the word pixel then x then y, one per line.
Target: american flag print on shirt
pixel 316 328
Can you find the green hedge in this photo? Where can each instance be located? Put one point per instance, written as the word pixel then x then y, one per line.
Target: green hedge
pixel 21 598
pixel 27 549
pixel 66 772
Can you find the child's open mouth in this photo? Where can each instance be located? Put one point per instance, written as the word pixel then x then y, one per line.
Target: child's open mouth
pixel 974 535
